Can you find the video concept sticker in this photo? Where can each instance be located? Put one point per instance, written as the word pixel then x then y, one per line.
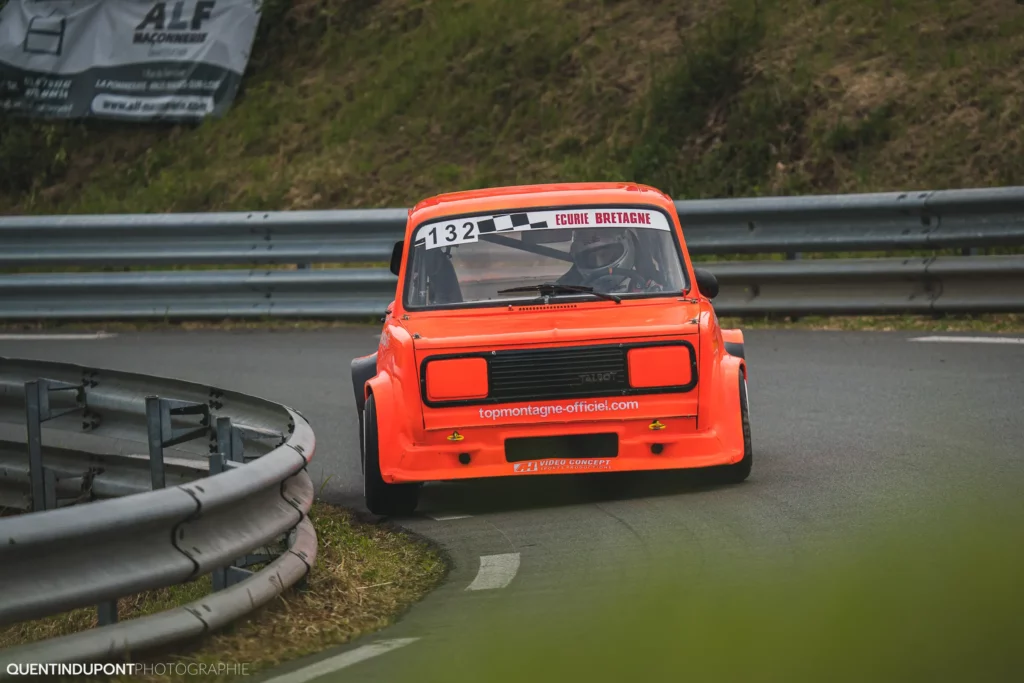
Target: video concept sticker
pixel 561 465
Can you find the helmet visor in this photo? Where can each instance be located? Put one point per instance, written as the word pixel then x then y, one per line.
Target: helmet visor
pixel 599 255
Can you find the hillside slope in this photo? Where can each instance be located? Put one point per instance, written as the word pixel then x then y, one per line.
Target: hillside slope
pixel 363 103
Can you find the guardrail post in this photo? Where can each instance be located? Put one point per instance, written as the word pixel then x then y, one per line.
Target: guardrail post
pixel 106 613
pixel 35 445
pixel 154 427
pixel 230 449
pixel 224 440
pixel 161 432
pixel 220 579
pixel 43 482
pixel 49 489
pixel 229 441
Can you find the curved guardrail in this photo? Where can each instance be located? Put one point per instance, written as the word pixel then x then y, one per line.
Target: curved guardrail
pixel 967 220
pixel 243 461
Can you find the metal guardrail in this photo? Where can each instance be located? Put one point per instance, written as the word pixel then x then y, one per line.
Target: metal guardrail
pixel 82 475
pixel 944 284
pixel 63 556
pixel 953 219
pixel 195 239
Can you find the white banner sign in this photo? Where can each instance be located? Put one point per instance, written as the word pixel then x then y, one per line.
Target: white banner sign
pixel 124 59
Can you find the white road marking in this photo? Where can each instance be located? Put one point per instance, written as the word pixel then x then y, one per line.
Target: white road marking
pixel 496 571
pixel 972 340
pixel 332 664
pixel 447 518
pixel 57 337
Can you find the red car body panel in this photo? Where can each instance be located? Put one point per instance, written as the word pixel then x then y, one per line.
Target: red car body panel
pixel 419 442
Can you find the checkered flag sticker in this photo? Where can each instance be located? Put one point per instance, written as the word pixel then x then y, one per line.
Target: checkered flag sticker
pixel 509 222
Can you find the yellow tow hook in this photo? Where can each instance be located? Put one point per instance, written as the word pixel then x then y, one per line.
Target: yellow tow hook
pixel 656 426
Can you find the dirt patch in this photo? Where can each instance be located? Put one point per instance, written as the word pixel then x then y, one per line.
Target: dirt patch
pixel 866 86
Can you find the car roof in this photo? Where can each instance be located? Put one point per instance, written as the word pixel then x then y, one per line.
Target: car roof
pixel 525 196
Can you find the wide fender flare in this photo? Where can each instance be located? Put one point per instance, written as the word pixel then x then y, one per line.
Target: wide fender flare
pixel 363 370
pixel 731 370
pixel 389 423
pixel 734 345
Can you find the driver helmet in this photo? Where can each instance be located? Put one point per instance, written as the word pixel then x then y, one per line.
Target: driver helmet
pixel 596 250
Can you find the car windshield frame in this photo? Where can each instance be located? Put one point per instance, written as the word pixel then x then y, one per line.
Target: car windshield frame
pixel 584 297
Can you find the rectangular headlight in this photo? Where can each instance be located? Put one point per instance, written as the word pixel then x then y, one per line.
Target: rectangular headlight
pixel 659 366
pixel 456 379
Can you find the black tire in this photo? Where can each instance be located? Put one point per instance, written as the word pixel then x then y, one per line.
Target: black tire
pixel 734 474
pixel 362 448
pixel 381 497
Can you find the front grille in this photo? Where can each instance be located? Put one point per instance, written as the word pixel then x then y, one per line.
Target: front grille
pixel 557 373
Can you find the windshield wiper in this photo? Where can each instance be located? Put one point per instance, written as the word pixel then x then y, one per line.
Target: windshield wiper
pixel 551 288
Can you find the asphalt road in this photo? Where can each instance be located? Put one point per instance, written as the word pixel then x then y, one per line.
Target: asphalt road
pixel 849 430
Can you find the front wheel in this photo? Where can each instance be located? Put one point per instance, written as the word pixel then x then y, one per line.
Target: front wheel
pixel 735 473
pixel 381 497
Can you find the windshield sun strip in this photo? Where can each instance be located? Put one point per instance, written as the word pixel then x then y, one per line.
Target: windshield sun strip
pixel 408 256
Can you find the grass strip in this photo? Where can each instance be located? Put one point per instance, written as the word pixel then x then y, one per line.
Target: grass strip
pixel 1006 323
pixel 1001 323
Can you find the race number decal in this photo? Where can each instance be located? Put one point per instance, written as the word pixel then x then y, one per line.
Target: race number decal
pixel 453 232
pixel 447 234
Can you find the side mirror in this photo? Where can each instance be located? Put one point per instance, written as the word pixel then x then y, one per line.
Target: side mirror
pixel 396 258
pixel 707 283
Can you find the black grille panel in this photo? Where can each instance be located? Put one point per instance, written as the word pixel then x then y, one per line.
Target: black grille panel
pixel 557 373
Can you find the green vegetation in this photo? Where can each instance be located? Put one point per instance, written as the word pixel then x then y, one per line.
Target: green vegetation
pixel 364 576
pixel 936 599
pixel 368 103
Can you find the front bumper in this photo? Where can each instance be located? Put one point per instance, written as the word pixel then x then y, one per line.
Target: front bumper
pixel 682 446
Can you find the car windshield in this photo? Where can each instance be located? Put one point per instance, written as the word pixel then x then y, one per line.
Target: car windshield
pixel 627 252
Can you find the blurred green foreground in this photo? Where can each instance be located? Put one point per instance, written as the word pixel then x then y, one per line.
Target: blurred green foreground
pixel 939 600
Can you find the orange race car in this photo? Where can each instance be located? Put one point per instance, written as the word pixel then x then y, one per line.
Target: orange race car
pixel 550 329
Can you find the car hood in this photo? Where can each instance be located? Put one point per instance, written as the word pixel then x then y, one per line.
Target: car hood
pixel 553 324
